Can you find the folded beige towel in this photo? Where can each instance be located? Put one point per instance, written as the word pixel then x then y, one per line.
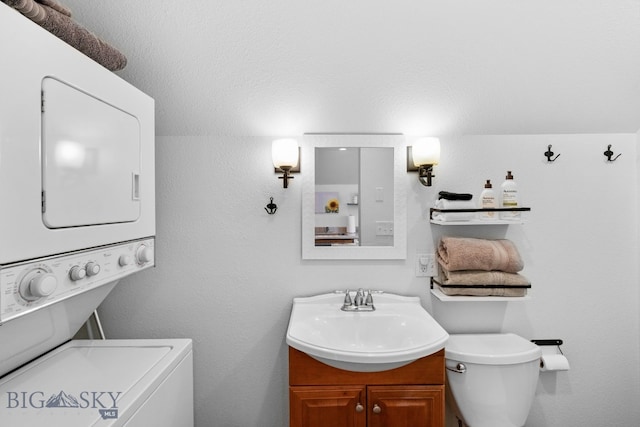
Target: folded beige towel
pixel 484 292
pixel 478 277
pixel 466 253
pixel 62 26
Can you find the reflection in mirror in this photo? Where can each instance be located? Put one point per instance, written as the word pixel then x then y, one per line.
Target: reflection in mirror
pixel 353 203
pixel 354 196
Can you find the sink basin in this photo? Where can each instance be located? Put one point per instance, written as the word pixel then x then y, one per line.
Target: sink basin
pixel 397 333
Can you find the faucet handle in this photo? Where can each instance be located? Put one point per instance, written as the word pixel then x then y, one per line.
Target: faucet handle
pixel 369 299
pixel 347 299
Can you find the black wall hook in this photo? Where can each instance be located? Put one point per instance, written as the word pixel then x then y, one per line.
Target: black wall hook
pixel 271 208
pixel 549 154
pixel 609 153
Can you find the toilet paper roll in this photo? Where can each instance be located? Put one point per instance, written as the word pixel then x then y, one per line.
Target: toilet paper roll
pixel 554 362
pixel 351 224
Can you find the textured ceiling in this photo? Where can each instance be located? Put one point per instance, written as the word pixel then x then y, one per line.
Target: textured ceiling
pixel 285 67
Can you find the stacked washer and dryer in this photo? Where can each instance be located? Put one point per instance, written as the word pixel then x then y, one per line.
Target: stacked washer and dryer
pixel 77 214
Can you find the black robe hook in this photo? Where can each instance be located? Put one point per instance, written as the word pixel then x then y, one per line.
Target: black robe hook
pixel 271 208
pixel 549 154
pixel 609 153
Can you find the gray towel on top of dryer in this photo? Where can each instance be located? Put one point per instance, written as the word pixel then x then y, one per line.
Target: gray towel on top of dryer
pixel 56 18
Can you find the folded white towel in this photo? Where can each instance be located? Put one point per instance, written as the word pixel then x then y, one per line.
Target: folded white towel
pixel 454 216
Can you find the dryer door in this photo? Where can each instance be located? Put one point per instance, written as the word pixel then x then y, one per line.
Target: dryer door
pixel 90 159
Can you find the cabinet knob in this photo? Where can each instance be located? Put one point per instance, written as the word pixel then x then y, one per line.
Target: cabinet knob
pixel 359 407
pixel 376 409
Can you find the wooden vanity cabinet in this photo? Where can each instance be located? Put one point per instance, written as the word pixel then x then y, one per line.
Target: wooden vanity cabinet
pixel 323 396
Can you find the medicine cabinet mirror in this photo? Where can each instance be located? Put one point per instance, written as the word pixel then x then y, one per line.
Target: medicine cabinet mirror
pixel 353 200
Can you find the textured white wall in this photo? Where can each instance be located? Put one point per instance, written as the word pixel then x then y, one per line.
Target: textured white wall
pixel 227 271
pixel 422 67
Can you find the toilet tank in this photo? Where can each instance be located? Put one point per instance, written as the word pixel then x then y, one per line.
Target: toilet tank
pixel 499 378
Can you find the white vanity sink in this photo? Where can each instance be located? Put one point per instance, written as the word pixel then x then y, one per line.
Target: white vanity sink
pixel 398 332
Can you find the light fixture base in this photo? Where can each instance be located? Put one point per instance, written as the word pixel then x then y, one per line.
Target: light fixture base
pixel 286 176
pixel 425 173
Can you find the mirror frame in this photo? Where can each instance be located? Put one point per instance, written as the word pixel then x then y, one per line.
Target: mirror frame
pixel 318 140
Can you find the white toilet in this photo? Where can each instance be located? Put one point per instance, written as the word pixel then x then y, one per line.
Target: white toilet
pixel 491 378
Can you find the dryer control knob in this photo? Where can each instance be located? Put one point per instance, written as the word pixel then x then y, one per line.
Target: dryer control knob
pixel 42 285
pixel 77 273
pixel 124 260
pixel 144 254
pixel 92 268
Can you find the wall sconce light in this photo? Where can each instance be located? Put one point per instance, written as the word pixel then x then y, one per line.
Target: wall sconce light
pixel 285 154
pixel 424 154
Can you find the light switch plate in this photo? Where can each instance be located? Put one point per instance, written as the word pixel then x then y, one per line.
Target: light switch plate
pixel 384 228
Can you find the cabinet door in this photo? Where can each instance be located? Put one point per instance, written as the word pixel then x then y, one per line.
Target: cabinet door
pixel 405 406
pixel 327 406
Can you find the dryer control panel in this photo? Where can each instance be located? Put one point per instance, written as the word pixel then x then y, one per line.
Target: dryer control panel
pixel 35 284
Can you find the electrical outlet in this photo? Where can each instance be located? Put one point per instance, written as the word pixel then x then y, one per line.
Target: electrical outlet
pixel 425 265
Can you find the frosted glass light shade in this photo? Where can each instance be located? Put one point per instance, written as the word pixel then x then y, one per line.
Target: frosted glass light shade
pixel 426 151
pixel 284 152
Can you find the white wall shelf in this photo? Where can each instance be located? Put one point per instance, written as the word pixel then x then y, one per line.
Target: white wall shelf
pixel 478 221
pixel 464 298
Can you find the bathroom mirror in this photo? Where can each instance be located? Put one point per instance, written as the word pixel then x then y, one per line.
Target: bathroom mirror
pixel 353 203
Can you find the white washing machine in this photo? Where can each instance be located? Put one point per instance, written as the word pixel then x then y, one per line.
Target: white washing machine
pixel 49 380
pixel 133 383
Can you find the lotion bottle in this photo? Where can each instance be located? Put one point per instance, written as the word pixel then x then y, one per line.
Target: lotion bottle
pixel 509 198
pixel 488 200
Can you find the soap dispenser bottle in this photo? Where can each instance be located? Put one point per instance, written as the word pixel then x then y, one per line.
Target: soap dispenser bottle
pixel 488 200
pixel 509 198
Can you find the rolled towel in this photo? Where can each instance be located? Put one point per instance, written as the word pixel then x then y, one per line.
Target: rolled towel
pixel 478 277
pixel 454 196
pixel 484 292
pixel 466 253
pixel 454 216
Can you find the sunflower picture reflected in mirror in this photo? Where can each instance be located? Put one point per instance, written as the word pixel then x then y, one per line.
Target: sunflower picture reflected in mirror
pixel 332 206
pixel 327 202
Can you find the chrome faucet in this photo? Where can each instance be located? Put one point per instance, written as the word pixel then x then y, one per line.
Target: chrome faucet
pixel 359 303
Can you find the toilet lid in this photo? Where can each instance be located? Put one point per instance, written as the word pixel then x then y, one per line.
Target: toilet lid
pixel 491 349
